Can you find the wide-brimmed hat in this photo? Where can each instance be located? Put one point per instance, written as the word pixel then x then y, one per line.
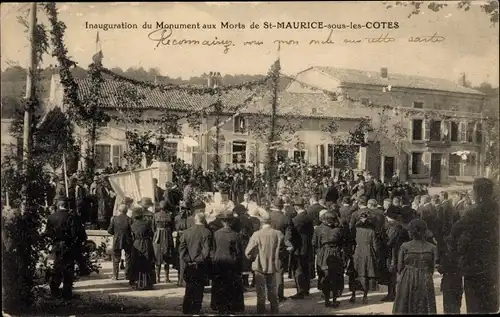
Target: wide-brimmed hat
pixel 263 215
pixel 146 202
pixel 226 215
pixel 137 211
pixel 223 187
pixel 127 200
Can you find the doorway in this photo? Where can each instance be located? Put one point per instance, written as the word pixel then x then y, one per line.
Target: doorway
pixel 388 168
pixel 435 168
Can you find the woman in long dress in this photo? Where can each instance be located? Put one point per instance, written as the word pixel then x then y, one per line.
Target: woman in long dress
pixel 416 260
pixel 227 256
pixel 364 258
pixel 328 241
pixel 163 243
pixel 142 254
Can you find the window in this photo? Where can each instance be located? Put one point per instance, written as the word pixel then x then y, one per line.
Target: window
pixel 102 155
pixel 418 104
pixel 463 131
pixel 470 165
pixel 314 111
pixel 470 132
pixel 299 156
pixel 321 155
pixel 282 155
pixel 330 155
pixel 346 156
pixel 365 101
pixel 479 133
pixel 417 130
pixel 417 165
pixel 239 152
pixel 117 155
pixel 454 132
pixel 171 151
pixel 454 165
pixel 240 124
pixel 435 131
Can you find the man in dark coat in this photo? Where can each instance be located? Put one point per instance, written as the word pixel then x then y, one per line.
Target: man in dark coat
pixel 396 236
pixel 66 235
pixel 314 209
pixel 181 224
pixel 226 256
pixel 428 213
pixel 194 249
pixel 279 221
pixel 158 191
pixel 370 192
pixel 452 280
pixel 332 194
pixel 300 235
pixel 119 228
pixel 475 240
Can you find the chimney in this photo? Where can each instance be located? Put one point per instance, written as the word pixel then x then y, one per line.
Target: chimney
pixel 210 80
pixel 383 72
pixel 464 80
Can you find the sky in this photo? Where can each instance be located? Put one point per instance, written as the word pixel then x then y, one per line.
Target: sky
pixel 470 45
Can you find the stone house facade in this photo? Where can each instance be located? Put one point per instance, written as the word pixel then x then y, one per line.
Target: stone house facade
pixel 444 142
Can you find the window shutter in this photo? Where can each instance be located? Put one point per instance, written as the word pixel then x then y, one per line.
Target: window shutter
pixel 228 150
pixel 117 155
pixel 426 129
pixel 462 130
pixel 426 157
pixel 410 164
pixel 448 126
pixel 474 136
pixel 410 129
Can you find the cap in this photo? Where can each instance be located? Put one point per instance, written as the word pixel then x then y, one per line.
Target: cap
pixel 62 204
pixel 299 201
pixel 322 212
pixel 277 203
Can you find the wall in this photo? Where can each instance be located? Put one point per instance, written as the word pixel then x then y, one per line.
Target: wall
pixel 445 102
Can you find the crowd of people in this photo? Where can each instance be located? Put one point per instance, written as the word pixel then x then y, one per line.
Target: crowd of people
pixel 237 238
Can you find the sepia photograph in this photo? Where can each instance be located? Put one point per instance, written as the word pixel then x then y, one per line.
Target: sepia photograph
pixel 250 158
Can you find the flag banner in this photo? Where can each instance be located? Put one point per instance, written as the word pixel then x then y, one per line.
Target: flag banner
pixel 124 185
pixel 144 181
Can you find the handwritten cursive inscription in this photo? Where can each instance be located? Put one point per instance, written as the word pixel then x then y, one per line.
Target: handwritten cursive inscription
pixel 435 38
pixel 163 36
pixel 328 40
pixel 383 38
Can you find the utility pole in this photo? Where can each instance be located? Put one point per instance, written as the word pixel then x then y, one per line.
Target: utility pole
pixel 30 87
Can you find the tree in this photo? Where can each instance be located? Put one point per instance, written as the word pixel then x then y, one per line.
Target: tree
pixel 490 8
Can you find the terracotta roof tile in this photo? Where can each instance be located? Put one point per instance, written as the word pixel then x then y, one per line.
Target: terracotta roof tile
pixel 296 104
pixel 354 76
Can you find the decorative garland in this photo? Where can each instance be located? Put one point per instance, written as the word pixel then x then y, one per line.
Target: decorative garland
pixel 70 97
pixel 191 89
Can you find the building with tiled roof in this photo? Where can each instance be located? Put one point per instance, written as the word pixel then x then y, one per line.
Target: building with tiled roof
pixel 426 153
pixel 441 118
pixel 306 113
